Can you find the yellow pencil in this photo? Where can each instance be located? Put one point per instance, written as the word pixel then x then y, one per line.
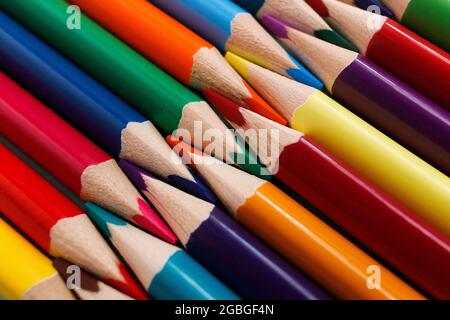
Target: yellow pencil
pixel 25 273
pixel 394 169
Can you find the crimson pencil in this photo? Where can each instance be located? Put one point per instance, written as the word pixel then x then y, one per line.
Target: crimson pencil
pixel 398 50
pixel 73 159
pixel 56 224
pixel 422 253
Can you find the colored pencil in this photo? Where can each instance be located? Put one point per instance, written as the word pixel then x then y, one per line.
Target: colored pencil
pixel 412 59
pixel 106 119
pixel 378 97
pixel 90 288
pixel 165 270
pixel 395 170
pixel 167 103
pixel 298 235
pixel 245 264
pixel 73 159
pixel 348 199
pixel 375 6
pixel 231 28
pixel 176 49
pixel 298 14
pixel 25 273
pixel 56 224
pixel 427 18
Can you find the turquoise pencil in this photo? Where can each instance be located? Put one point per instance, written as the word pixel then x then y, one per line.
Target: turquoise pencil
pixel 166 271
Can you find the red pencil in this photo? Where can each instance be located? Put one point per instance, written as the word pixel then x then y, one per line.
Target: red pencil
pixel 421 253
pixel 73 159
pixel 56 224
pixel 399 51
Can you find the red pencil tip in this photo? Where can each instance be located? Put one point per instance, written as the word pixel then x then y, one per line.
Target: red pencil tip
pixel 151 222
pixel 258 105
pixel 229 109
pixel 128 286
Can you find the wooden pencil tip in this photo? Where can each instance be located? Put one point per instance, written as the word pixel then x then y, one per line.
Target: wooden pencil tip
pixel 275 26
pixel 184 150
pixel 229 109
pixel 319 7
pixel 238 63
pixel 129 285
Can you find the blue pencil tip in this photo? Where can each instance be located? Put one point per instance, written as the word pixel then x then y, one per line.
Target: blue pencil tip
pixel 301 74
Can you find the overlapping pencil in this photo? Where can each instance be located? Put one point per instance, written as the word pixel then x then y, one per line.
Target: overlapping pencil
pixel 25 273
pixel 410 58
pixel 298 14
pixel 427 18
pixel 231 28
pixel 375 6
pixel 176 49
pixel 167 103
pixel 56 224
pixel 298 235
pixel 166 271
pixel 378 97
pixel 94 110
pixel 422 254
pixel 228 250
pixel 90 288
pixel 417 185
pixel 73 159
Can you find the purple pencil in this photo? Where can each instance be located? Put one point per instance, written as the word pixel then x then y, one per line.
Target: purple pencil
pixel 220 244
pixel 390 105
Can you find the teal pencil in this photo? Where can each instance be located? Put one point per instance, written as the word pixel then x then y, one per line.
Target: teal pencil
pixel 166 271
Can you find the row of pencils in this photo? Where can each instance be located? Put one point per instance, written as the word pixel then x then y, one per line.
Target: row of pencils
pixel 105 96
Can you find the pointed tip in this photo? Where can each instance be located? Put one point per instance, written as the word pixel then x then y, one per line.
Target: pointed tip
pixel 195 187
pixel 258 105
pixel 334 37
pixel 184 150
pixel 148 221
pixel 229 109
pixel 275 26
pixel 151 222
pixel 129 286
pixel 238 63
pixel 319 7
pixel 300 73
pixel 102 218
pixel 134 173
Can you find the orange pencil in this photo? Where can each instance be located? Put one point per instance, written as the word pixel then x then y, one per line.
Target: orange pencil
pixel 298 235
pixel 176 49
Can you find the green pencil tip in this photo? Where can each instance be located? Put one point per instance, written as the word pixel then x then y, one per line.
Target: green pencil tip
pixel 334 37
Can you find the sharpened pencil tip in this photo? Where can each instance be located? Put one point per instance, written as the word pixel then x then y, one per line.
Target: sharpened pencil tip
pixel 151 222
pixel 275 26
pixel 334 37
pixel 226 107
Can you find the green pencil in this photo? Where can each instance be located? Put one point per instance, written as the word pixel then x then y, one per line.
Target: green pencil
pixel 430 19
pixel 165 101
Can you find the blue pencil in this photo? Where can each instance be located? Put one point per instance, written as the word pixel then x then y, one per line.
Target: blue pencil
pixel 167 272
pixel 219 243
pixel 231 28
pixel 105 118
